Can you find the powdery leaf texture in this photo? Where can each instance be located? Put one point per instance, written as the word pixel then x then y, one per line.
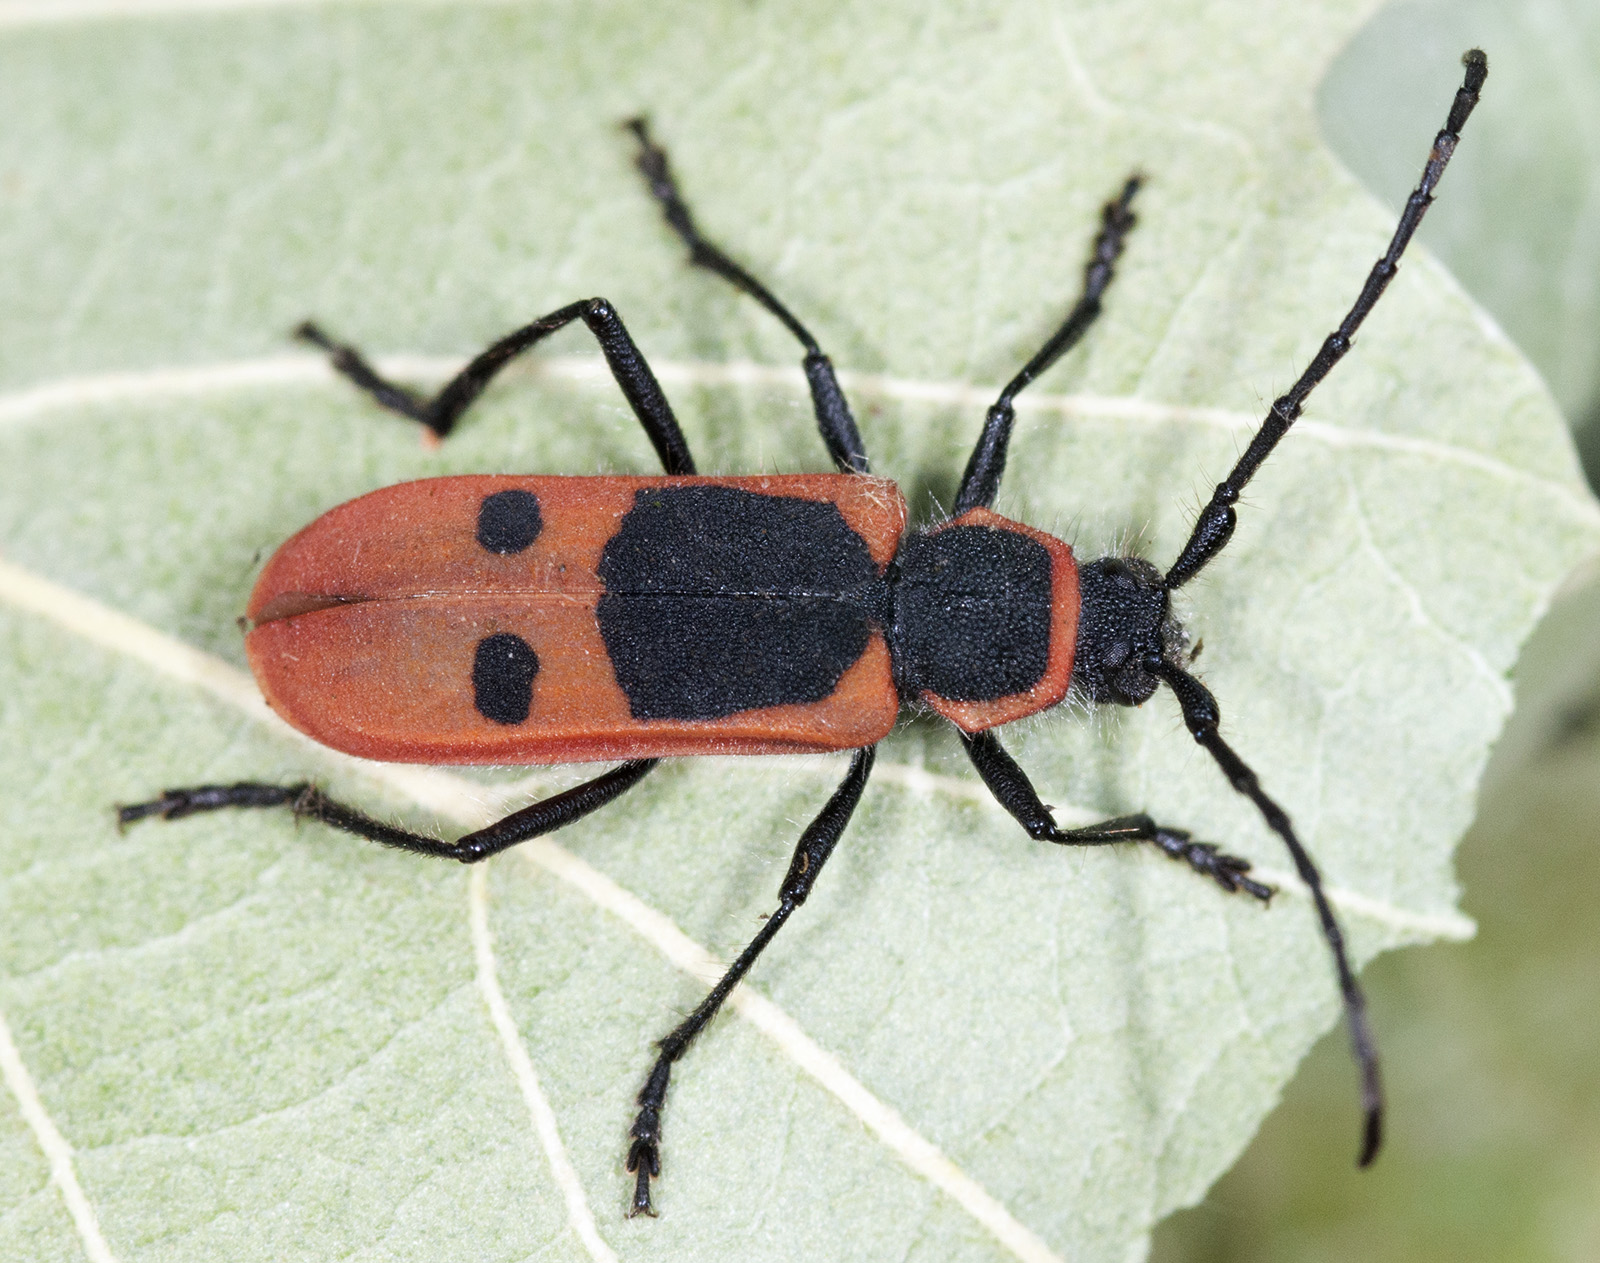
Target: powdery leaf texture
pixel 236 1038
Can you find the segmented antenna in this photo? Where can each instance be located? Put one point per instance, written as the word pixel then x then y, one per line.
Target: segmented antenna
pixel 1214 528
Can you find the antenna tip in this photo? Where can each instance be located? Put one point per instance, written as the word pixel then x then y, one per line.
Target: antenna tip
pixel 1371 1136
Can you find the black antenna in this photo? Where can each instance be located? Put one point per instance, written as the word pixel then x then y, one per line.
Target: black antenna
pixel 1214 527
pixel 1201 716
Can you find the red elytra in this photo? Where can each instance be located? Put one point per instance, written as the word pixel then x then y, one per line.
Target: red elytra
pixel 366 623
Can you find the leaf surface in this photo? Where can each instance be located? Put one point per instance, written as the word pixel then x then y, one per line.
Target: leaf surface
pixel 263 1040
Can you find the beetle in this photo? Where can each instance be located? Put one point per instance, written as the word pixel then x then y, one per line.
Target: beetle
pixel 547 619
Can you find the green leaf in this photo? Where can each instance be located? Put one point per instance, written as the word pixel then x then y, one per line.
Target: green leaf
pixel 239 1038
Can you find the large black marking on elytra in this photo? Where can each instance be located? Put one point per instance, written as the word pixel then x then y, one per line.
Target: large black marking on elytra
pixel 971 613
pixel 508 521
pixel 502 678
pixel 719 600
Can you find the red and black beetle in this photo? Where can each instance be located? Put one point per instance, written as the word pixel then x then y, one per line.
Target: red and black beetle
pixel 509 619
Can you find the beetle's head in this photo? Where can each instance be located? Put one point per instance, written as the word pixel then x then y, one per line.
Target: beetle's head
pixel 1124 626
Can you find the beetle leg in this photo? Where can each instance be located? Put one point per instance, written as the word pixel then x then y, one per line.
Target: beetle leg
pixel 981 480
pixel 810 854
pixel 832 410
pixel 441 413
pixel 1013 791
pixel 307 800
pixel 352 364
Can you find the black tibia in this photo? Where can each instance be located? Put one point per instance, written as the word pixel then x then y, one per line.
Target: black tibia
pixel 987 463
pixel 1201 716
pixel 349 361
pixel 811 853
pixel 834 419
pixel 1214 527
pixel 441 413
pixel 308 801
pixel 1013 791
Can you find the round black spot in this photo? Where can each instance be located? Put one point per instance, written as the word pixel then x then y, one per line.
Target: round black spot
pixel 508 521
pixel 502 677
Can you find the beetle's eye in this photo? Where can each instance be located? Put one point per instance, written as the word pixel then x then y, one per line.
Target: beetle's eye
pixel 1134 685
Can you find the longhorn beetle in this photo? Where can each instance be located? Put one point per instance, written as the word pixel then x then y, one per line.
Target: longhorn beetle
pixel 538 619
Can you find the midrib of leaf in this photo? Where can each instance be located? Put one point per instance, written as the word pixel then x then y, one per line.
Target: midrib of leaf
pixel 19 406
pixel 285 370
pixel 471 804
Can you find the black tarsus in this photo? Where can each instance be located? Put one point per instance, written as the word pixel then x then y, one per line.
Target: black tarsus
pixel 1214 527
pixel 440 414
pixel 307 801
pixel 834 419
pixel 810 854
pixel 986 465
pixel 351 363
pixel 1015 792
